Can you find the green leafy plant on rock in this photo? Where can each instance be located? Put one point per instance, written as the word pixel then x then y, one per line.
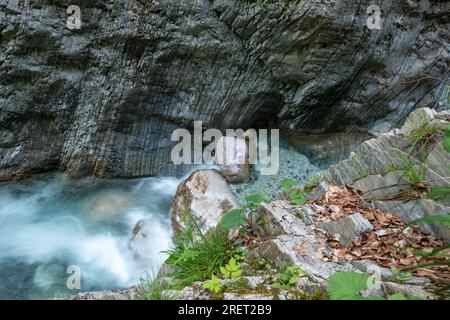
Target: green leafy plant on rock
pixel 231 270
pixel 235 218
pixel 151 287
pixel 214 285
pixel 424 135
pixel 289 277
pixel 291 193
pixel 254 200
pixel 413 172
pixel 446 142
pixel 348 286
pixel 196 255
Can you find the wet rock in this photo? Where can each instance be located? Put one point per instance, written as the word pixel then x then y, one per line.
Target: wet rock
pixel 437 164
pixel 310 287
pixel 254 281
pixel 107 204
pixel 204 195
pixel 147 240
pixel 232 155
pixel 347 229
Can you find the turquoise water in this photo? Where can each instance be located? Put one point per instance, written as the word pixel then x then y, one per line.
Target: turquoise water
pixel 48 223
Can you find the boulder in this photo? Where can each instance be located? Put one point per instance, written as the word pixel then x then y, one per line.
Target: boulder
pixel 109 203
pixel 206 196
pixel 232 155
pixel 347 229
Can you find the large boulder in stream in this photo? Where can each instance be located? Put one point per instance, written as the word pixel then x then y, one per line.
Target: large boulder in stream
pixel 205 196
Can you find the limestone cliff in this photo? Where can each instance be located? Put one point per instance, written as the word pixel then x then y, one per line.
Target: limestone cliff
pixel 103 100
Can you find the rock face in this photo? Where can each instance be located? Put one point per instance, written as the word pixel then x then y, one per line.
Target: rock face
pixel 204 195
pixel 292 241
pixel 378 172
pixel 348 228
pixel 104 100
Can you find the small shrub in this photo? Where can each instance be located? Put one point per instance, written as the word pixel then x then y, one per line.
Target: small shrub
pixel 152 288
pixel 446 142
pixel 312 183
pixel 197 259
pixel 289 277
pixel 292 194
pixel 414 174
pixel 214 285
pixel 439 193
pixel 231 270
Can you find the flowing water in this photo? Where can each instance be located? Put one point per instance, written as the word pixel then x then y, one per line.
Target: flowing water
pixel 49 223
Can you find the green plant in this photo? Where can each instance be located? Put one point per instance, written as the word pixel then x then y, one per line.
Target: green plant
pixel 201 256
pixel 414 174
pixel 288 184
pixel 423 135
pixel 439 193
pixel 236 217
pixel 231 270
pixel 214 285
pixel 446 142
pixel 439 218
pixel 240 254
pixel 312 183
pixel 152 288
pixel 233 219
pixel 261 3
pixel 293 194
pixel 254 200
pixel 397 275
pixel 362 175
pixel 348 286
pixel 289 277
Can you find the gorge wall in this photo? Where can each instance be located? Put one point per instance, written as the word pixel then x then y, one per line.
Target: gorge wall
pixel 104 100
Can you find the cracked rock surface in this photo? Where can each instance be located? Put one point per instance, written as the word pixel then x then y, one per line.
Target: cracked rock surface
pixel 104 100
